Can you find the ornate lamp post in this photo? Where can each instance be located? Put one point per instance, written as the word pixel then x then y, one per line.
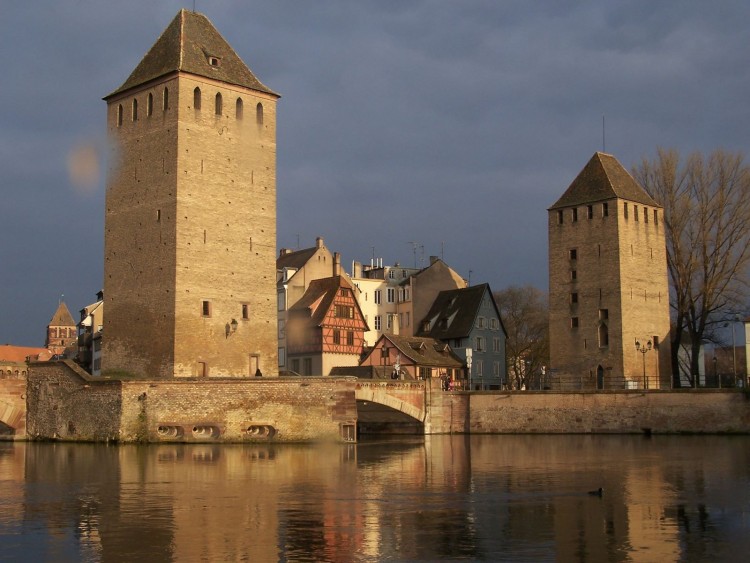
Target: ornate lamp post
pixel 644 350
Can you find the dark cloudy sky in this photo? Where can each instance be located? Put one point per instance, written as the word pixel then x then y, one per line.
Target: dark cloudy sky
pixel 450 124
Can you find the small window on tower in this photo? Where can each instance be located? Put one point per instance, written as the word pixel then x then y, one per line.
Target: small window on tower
pixel 197 99
pixel 150 104
pixel 259 114
pixel 219 104
pixel 605 209
pixel 573 322
pixel 214 61
pixel 245 311
pixel 135 109
pixel 575 214
pixel 119 115
pixel 206 308
pixel 560 217
pixel 590 211
pixel 573 254
pixel 238 109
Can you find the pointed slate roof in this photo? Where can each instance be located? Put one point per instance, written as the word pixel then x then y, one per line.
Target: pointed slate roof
pixel 455 312
pixel 185 46
pixel 601 179
pixel 62 316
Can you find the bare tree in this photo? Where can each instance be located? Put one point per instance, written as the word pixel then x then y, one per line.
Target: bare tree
pixel 524 312
pixel 707 227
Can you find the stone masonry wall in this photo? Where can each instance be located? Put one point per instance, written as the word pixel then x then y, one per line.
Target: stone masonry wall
pixel 64 403
pixel 605 412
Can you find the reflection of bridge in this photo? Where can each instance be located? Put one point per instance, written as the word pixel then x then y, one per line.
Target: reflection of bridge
pixel 391 405
pixel 12 408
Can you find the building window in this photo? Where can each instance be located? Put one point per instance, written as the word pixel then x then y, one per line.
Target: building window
pixel 307 366
pixel 378 297
pixel 349 338
pixel 377 322
pixel 496 369
pixel 575 214
pixel 295 365
pixel 259 114
pixel 206 308
pixel 343 311
pixel 245 311
pixel 135 109
pixel 573 322
pixel 238 110
pixel 457 342
pixel 282 329
pixel 119 115
pixel 573 275
pixel 635 212
pixel 605 209
pixel 336 336
pixel 603 335
pixel 149 104
pixel 407 296
pixel 480 322
pixel 645 214
pixel 480 368
pixel 625 209
pixel 573 254
pixel 589 211
pixel 560 217
pixel 391 296
pixel 280 301
pixel 197 99
pixel 202 369
pixel 389 321
pixel 282 357
pixel 574 297
pixel 479 344
pixel 219 104
pixel 495 344
pixel 165 100
pixel 407 318
pixel 401 295
pixel 656 217
pixel 494 324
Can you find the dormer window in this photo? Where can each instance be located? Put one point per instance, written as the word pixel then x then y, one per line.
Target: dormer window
pixel 214 61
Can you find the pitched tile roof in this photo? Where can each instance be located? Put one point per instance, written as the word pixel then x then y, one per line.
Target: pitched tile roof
pixel 424 351
pixel 295 259
pixel 62 316
pixel 601 179
pixel 186 45
pixel 19 354
pixel 319 297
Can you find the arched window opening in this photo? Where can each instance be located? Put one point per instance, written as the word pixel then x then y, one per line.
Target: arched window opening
pixel 165 99
pixel 150 104
pixel 259 114
pixel 219 104
pixel 603 335
pixel 135 109
pixel 238 108
pixel 119 115
pixel 197 98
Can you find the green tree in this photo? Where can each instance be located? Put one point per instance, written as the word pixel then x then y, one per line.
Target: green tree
pixel 706 202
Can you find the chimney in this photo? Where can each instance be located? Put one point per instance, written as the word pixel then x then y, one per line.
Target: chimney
pixel 434 259
pixel 319 242
pixel 336 263
pixel 284 252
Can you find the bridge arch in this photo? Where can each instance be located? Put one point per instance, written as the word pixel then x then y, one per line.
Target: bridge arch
pixel 392 407
pixel 12 420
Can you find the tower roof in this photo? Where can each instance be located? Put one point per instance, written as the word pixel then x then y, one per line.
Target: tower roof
pixel 601 179
pixel 191 44
pixel 62 316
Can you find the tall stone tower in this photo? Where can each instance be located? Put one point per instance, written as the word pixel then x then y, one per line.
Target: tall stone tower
pixel 190 224
pixel 608 287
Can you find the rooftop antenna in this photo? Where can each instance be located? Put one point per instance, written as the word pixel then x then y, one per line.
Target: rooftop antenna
pixel 604 143
pixel 469 281
pixel 414 250
pixel 442 251
pixel 421 255
pixel 297 241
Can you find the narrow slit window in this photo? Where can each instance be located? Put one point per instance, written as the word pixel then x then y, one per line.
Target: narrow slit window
pixel 149 104
pixel 590 212
pixel 259 114
pixel 219 104
pixel 206 308
pixel 197 99
pixel 560 217
pixel 119 115
pixel 605 209
pixel 135 109
pixel 165 100
pixel 238 109
pixel 245 311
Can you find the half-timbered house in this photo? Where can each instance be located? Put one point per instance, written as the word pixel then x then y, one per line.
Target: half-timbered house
pixel 325 328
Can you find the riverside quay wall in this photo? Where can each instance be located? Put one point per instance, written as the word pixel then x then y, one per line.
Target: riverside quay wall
pixel 702 411
pixel 65 403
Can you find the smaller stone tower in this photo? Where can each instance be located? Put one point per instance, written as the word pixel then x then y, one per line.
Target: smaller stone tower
pixel 61 331
pixel 608 286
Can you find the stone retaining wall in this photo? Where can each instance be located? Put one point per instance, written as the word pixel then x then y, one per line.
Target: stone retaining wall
pixel 65 403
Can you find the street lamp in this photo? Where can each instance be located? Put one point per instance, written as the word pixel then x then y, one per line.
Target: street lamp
pixel 644 350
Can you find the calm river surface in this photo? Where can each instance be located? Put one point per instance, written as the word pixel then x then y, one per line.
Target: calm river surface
pixel 478 498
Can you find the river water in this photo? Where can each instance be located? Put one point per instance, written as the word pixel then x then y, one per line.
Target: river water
pixel 439 498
